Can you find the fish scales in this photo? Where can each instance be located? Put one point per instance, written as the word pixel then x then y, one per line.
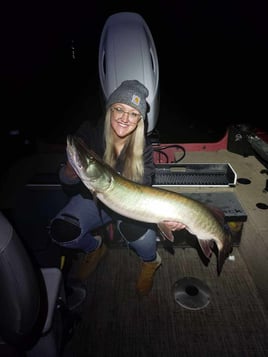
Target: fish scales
pixel 153 205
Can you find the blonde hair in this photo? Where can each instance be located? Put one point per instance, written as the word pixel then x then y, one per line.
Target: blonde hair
pixel 133 168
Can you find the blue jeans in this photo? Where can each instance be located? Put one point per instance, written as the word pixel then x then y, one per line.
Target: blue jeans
pixel 82 216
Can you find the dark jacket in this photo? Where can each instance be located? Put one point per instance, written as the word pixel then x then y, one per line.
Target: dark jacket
pixel 92 134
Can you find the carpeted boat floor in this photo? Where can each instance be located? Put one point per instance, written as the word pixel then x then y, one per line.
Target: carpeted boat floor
pixel 115 322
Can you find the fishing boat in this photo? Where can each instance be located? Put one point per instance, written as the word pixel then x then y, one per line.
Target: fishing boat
pixel 191 310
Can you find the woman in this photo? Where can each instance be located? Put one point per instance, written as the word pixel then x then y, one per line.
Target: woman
pixel 121 141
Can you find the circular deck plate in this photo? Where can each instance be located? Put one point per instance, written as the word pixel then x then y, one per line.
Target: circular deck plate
pixel 191 293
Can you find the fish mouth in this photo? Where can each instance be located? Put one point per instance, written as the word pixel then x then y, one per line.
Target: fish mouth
pixel 75 157
pixel 79 157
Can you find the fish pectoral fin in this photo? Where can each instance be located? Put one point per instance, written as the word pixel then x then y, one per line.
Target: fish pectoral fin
pixel 165 232
pixel 205 245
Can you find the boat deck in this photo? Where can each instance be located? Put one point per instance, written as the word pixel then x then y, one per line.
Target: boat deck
pixel 115 322
pixel 235 321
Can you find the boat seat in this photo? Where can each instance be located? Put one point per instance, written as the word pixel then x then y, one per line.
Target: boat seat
pixel 30 300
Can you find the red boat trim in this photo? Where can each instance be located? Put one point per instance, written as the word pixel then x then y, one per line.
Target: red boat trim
pixel 164 153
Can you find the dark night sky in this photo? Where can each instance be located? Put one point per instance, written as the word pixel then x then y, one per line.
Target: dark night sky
pixel 212 57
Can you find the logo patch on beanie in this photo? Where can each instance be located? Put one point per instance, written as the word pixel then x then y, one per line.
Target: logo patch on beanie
pixel 136 100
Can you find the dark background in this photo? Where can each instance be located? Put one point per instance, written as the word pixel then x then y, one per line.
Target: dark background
pixel 212 59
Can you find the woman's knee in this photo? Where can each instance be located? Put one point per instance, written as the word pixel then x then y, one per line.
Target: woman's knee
pixel 65 229
pixel 133 231
pixel 130 231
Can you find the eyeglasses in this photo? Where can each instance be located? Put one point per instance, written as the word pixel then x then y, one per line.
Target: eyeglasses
pixel 133 117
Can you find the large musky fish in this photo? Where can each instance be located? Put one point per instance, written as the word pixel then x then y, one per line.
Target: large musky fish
pixel 150 204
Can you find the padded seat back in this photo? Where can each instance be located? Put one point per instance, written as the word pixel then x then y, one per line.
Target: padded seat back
pixel 23 301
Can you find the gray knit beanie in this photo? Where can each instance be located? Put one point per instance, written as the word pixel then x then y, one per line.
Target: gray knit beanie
pixel 130 92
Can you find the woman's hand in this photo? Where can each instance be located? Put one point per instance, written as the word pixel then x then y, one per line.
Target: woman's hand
pixel 174 226
pixel 69 171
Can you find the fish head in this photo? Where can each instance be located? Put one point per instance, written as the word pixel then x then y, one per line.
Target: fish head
pixel 88 166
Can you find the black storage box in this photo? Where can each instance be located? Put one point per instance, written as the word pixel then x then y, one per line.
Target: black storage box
pixel 212 175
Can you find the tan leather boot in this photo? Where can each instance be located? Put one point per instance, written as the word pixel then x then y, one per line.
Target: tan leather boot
pixel 90 262
pixel 145 281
